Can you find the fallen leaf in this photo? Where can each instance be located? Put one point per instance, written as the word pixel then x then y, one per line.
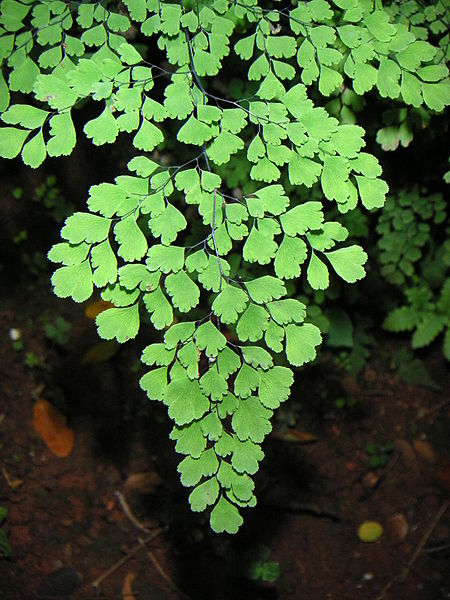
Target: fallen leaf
pixel 100 353
pixel 294 436
pixel 127 587
pixel 425 451
pixel 370 531
pixel 95 308
pixel 397 527
pixel 143 483
pixel 51 426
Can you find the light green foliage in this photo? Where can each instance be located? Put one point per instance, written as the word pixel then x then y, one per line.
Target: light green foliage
pixel 196 249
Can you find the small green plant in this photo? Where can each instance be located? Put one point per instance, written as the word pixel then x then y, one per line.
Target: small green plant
pixel 345 402
pixel 32 360
pixel 5 547
pixel 262 568
pixel 379 453
pixel 58 332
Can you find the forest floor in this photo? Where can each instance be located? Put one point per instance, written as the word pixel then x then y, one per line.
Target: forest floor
pixel 111 519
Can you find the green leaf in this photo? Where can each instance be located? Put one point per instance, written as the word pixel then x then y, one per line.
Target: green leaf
pixel 251 420
pixel 388 76
pixel 29 117
pixel 85 227
pixel 185 400
pixel 317 273
pixel 348 262
pixel 119 323
pixel 245 47
pixel 430 326
pixel 128 54
pixel 372 191
pixel 273 337
pixel 246 382
pixel 168 259
pixel 223 146
pixel 11 141
pixel 104 263
pixel 303 171
pixel 259 248
pixel 24 78
pixel 190 439
pixel 253 323
pixel 183 291
pixel 168 224
pixel 291 253
pixel 74 281
pixel 195 132
pixel 103 129
pixel 68 254
pixel 225 517
pixel 161 311
pixel 329 80
pixel 148 136
pixel 154 383
pixel 335 173
pixel 34 152
pixel 137 8
pixel 208 338
pixel 227 362
pixel 63 135
pixel 301 342
pixel 265 288
pixel 204 495
pixel 299 219
pixel 157 354
pixel 379 26
pixel 211 277
pixel 246 456
pixel 131 240
pixel 192 470
pixel 274 386
pixel 257 357
pixel 213 384
pixel 287 311
pixel 229 304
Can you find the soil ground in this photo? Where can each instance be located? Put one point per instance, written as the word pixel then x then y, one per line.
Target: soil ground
pixel 70 520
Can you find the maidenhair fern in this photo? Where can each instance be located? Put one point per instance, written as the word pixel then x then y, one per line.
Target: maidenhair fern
pixel 177 244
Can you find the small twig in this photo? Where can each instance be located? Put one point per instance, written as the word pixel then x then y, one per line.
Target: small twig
pixel 142 543
pixel 128 513
pixel 401 577
pixel 435 549
pixel 164 575
pixel 440 513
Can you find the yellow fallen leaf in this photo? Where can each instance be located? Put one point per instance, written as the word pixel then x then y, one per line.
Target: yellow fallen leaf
pixel 370 531
pixel 100 353
pixel 95 308
pixel 51 426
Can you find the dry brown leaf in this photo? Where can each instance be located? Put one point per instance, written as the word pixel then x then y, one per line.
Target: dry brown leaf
pixel 127 587
pixel 143 483
pixel 95 308
pixel 294 436
pixel 51 426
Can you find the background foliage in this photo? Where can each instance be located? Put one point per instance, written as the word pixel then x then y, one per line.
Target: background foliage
pixel 238 219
